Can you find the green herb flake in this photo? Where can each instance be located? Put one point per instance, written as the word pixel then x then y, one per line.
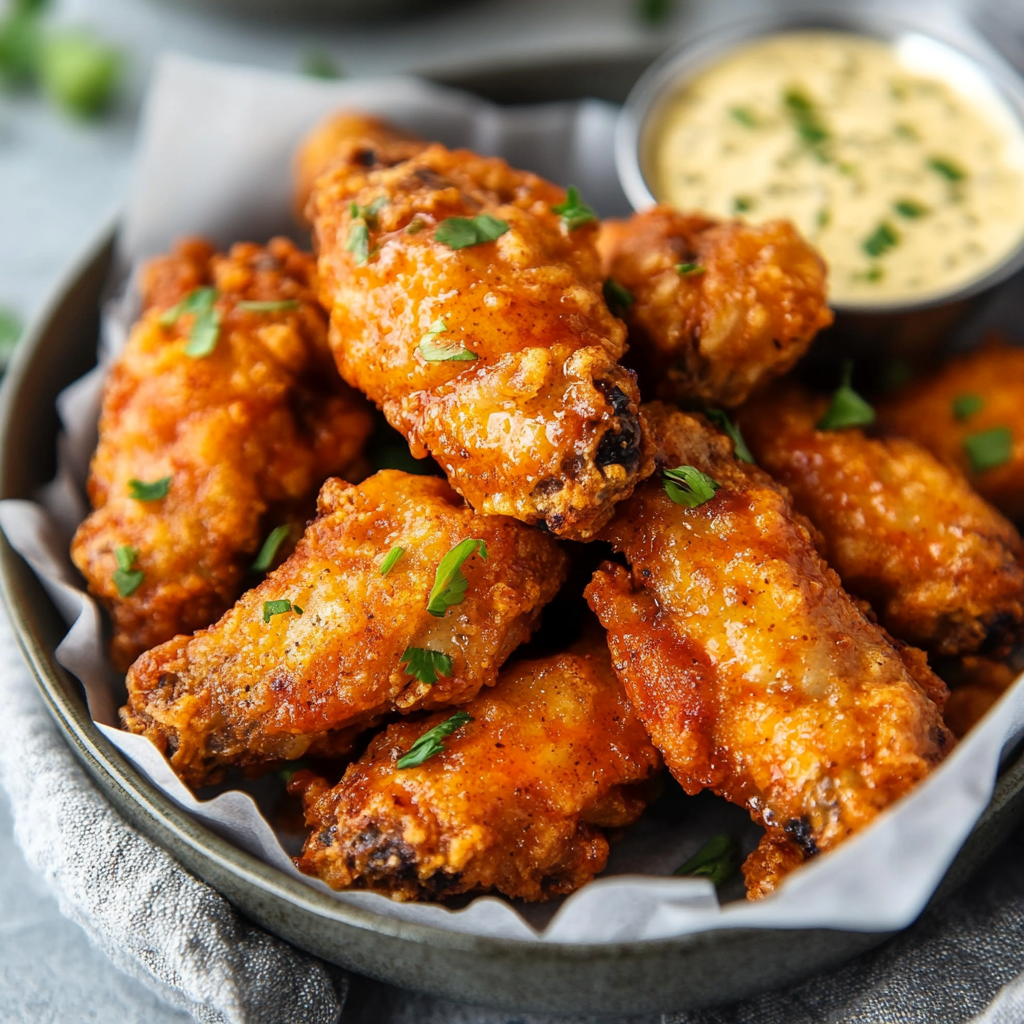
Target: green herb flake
pixel 807 119
pixel 205 331
pixel 717 860
pixel 848 409
pixel 905 131
pixel 881 240
pixel 895 375
pixel 358 242
pixel 965 406
pixel 415 226
pixel 430 743
pixel 79 72
pixel 141 491
pixel 574 212
pixel 739 446
pixel 910 208
pixel 823 217
pixel 989 449
pixel 20 43
pixel 270 306
pixel 742 204
pixel 617 297
pixel 268 552
pixel 453 352
pixel 319 64
pixel 391 559
pixel 744 116
pixel 10 332
pixel 126 579
pixel 687 485
pixel 654 12
pixel 463 232
pixel 272 608
pixel 690 269
pixel 293 769
pixel 199 300
pixel 426 665
pixel 449 582
pixel 947 169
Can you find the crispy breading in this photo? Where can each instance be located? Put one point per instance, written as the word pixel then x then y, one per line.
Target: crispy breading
pixel 927 411
pixel 977 683
pixel 719 307
pixel 941 568
pixel 246 435
pixel 516 801
pixel 528 411
pixel 755 673
pixel 262 685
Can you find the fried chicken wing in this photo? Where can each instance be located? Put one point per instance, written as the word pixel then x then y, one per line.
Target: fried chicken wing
pixel 215 427
pixel 971 415
pixel 754 672
pixel 335 637
pixel 516 801
pixel 714 308
pixel 473 315
pixel 976 684
pixel 942 568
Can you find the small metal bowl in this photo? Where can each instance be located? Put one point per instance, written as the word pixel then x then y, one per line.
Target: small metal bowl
pixel 876 322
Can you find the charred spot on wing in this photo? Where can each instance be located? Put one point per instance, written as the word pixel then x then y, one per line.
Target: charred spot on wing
pixel 801 832
pixel 548 486
pixel 620 445
pixel 383 856
pixel 1001 632
pixel 366 157
pixel 441 883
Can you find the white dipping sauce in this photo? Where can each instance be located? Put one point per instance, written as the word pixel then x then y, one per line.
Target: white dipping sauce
pixel 900 162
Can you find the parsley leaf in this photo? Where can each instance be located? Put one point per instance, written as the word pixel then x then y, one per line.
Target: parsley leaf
pixel 265 559
pixel 966 405
pixel 574 211
pixel 10 332
pixel 426 665
pixel 197 301
pixel 449 582
pixel 205 332
pixel 79 72
pixel 654 12
pixel 415 226
pixel 319 64
pixel 127 579
pixel 910 208
pixel 989 448
pixel 617 297
pixel 358 242
pixel 807 119
pixel 463 232
pixel 948 169
pixel 687 485
pixel 848 409
pixel 881 240
pixel 739 446
pixel 430 743
pixel 141 491
pixel 272 608
pixel 742 204
pixel 390 559
pixel 744 116
pixel 690 269
pixel 270 306
pixel 434 352
pixel 717 860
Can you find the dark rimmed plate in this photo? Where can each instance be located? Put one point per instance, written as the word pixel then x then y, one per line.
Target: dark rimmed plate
pixel 618 978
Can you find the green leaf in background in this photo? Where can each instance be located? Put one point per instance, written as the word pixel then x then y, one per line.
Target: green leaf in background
pixel 20 40
pixel 319 64
pixel 10 332
pixel 717 860
pixel 989 449
pixel 654 12
pixel 79 72
pixel 966 405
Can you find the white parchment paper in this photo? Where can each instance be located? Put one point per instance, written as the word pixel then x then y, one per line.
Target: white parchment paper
pixel 214 159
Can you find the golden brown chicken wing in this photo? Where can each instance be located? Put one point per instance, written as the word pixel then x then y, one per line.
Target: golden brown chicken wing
pixel 941 567
pixel 220 420
pixel 398 597
pixel 714 308
pixel 976 684
pixel 971 415
pixel 516 800
pixel 472 313
pixel 754 672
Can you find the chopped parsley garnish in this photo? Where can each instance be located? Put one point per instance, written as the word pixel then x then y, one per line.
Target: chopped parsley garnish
pixel 989 449
pixel 654 12
pixel 807 119
pixel 823 217
pixel 742 204
pixel 10 332
pixel 463 232
pixel 265 559
pixel 739 446
pixel 574 212
pixel 848 409
pixel 744 116
pixel 270 306
pixel 910 208
pixel 690 269
pixel 881 240
pixel 871 275
pixel 442 352
pixel 369 213
pixel 947 169
pixel 358 242
pixel 141 491
pixel 415 226
pixel 272 608
pixel 127 579
pixel 430 743
pixel 965 406
pixel 449 582
pixel 205 331
pixel 687 485
pixel 717 860
pixel 618 298
pixel 318 64
pixel 426 665
pixel 905 131
pixel 390 559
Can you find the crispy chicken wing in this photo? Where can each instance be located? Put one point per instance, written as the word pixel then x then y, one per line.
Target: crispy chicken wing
pixel 516 801
pixel 323 645
pixel 971 415
pixel 976 684
pixel 941 567
pixel 201 454
pixel 717 307
pixel 755 673
pixel 473 315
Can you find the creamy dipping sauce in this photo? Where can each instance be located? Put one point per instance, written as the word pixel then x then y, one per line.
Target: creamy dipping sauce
pixel 909 185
